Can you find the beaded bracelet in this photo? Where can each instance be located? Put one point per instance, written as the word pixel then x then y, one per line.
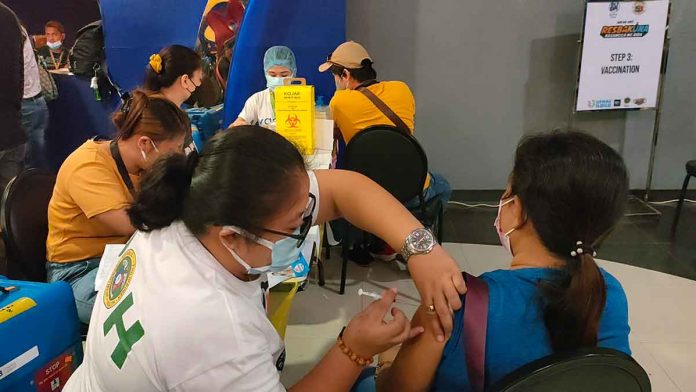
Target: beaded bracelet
pixel 360 361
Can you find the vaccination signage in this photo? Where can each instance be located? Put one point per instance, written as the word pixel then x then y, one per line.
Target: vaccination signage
pixel 622 55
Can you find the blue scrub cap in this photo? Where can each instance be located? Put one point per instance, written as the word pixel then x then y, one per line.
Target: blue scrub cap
pixel 279 55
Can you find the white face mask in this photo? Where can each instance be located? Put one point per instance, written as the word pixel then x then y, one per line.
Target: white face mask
pixel 142 152
pixel 54 45
pixel 504 237
pixel 338 83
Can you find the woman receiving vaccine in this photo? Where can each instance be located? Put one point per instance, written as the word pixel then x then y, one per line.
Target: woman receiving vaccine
pixel 278 64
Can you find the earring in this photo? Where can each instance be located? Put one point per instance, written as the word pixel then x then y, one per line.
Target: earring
pixel 144 155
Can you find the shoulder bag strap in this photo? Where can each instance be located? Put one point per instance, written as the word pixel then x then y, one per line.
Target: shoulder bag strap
pixel 116 154
pixel 398 122
pixel 475 327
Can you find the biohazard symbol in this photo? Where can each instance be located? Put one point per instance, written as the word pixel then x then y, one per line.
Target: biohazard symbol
pixel 293 121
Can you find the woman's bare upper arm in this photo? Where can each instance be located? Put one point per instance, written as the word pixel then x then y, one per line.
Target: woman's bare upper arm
pixel 415 366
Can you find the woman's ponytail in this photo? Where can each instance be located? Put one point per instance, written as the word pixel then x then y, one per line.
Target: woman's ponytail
pixel 574 304
pixel 163 191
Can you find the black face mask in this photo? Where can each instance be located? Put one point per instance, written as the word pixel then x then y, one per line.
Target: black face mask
pixel 195 94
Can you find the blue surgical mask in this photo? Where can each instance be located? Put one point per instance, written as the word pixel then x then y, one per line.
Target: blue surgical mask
pixel 283 252
pixel 54 45
pixel 272 82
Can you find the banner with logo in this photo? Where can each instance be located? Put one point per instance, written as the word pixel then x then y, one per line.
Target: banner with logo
pixel 622 55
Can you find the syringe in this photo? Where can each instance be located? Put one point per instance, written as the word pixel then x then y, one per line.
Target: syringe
pixel 378 297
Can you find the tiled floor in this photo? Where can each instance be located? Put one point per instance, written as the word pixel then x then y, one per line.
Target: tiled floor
pixel 650 263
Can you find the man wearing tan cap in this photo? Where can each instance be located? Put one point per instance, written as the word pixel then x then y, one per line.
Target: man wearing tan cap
pixel 352 111
pixel 361 102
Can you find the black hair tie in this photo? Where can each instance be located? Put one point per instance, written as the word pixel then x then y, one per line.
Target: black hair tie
pixel 126 99
pixel 191 163
pixel 583 249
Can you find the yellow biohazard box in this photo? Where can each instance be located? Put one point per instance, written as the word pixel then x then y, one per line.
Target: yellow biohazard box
pixel 294 110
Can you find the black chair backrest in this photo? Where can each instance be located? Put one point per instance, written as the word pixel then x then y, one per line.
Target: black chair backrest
pixel 592 369
pixel 393 159
pixel 24 218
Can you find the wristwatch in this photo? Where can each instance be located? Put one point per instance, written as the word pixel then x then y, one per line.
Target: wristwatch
pixel 419 242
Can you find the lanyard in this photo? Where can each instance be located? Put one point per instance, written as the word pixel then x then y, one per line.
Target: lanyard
pixel 60 60
pixel 116 154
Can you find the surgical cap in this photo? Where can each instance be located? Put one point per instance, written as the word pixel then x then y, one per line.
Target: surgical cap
pixel 279 55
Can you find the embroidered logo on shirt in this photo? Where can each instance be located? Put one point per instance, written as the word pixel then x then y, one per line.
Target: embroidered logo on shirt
pixel 280 363
pixel 120 279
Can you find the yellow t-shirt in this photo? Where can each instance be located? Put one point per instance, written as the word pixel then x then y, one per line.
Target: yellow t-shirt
pixel 88 184
pixel 352 111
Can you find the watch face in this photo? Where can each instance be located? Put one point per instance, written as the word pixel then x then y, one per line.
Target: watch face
pixel 421 240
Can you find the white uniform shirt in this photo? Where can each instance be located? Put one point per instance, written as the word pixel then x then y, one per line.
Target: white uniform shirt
pixel 171 318
pixel 32 83
pixel 258 110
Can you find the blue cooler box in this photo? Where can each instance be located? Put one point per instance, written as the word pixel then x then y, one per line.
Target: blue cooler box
pixel 40 342
pixel 207 120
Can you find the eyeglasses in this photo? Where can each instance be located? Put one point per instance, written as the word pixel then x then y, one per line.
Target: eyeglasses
pixel 306 222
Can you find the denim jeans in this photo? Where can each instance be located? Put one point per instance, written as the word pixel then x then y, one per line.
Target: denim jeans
pixel 80 275
pixel 439 187
pixel 35 122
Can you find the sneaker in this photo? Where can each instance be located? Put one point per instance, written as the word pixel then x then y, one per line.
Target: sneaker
pixel 360 256
pixel 384 252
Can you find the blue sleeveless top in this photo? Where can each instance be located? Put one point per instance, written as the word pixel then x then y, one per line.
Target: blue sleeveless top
pixel 516 332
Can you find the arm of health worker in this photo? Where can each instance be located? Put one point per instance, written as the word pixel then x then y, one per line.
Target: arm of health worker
pixel 239 121
pixel 368 206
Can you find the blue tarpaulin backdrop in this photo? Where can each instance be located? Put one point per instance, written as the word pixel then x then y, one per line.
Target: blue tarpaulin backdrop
pixel 311 28
pixel 135 29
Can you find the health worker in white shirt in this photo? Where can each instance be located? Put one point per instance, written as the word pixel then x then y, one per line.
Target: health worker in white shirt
pixel 278 64
pixel 182 309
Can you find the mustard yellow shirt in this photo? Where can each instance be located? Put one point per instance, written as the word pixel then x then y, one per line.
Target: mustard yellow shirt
pixel 352 111
pixel 88 184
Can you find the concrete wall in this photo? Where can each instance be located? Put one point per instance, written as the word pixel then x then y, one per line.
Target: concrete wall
pixel 485 73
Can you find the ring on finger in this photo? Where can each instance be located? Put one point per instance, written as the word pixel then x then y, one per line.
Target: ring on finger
pixel 430 309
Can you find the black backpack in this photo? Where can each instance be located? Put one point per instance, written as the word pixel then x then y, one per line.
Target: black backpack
pixel 87 54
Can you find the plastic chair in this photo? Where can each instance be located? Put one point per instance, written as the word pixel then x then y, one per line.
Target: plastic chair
pixel 690 172
pixel 592 369
pixel 24 219
pixel 397 162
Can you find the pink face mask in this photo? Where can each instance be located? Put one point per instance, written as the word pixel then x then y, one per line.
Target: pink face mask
pixel 504 237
